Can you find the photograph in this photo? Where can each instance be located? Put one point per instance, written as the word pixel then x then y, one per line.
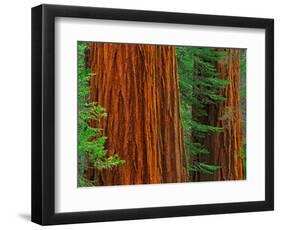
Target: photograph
pixel 140 114
pixel 154 113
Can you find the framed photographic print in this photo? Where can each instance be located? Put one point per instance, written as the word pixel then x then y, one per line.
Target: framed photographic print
pixel 141 114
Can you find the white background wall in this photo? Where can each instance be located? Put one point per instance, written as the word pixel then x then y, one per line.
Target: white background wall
pixel 15 118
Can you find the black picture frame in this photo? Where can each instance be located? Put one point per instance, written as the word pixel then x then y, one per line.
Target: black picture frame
pixel 43 114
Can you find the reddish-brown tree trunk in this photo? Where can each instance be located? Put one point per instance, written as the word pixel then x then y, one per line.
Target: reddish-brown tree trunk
pixel 138 86
pixel 226 147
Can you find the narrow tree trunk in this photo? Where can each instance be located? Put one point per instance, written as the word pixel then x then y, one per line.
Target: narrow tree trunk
pixel 226 147
pixel 138 86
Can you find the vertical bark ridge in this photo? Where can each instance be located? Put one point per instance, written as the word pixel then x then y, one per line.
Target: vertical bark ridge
pixel 138 86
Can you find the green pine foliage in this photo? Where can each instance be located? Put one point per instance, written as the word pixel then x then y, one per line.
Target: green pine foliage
pixel 202 167
pixel 199 87
pixel 91 143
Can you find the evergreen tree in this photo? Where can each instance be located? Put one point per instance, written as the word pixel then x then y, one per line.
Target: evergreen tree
pixel 199 87
pixel 243 94
pixel 226 148
pixel 91 150
pixel 138 84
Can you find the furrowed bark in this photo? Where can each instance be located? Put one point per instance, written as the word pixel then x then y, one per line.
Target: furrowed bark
pixel 226 147
pixel 138 86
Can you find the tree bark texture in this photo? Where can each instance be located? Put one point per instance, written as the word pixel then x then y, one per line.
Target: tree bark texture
pixel 226 147
pixel 138 86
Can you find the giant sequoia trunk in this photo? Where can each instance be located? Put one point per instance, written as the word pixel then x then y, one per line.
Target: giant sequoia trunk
pixel 226 147
pixel 138 86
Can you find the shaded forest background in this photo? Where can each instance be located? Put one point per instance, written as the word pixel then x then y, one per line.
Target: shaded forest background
pixel 160 114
